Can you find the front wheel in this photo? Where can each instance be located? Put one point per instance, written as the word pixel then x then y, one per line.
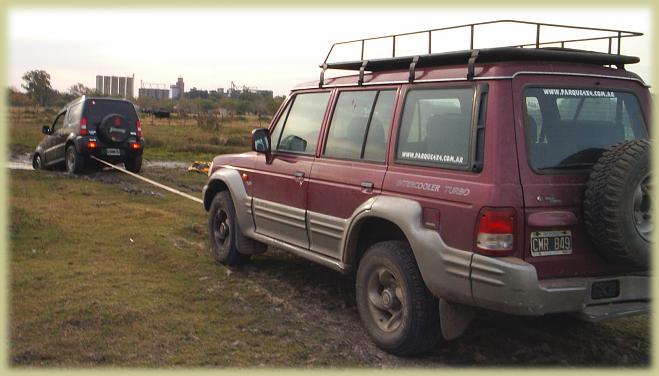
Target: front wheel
pixel 397 309
pixel 222 230
pixel 37 163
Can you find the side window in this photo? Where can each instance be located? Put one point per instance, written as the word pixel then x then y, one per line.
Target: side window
pixel 378 131
pixel 59 122
pixel 436 128
pixel 360 125
pixel 300 132
pixel 73 115
pixel 349 122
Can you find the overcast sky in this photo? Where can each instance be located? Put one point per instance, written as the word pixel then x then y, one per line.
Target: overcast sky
pixel 271 49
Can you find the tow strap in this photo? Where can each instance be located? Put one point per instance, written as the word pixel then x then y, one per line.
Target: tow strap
pixel 162 186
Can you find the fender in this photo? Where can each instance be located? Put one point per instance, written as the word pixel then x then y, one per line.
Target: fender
pixel 75 139
pixel 444 269
pixel 242 203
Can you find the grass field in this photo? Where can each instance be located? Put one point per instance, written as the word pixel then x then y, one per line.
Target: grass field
pixel 102 276
pixel 165 139
pixel 105 271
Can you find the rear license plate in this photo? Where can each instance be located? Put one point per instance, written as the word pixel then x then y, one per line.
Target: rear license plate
pixel 112 151
pixel 549 243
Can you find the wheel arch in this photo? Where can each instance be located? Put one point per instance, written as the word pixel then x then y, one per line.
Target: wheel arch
pixel 444 269
pixel 367 231
pixel 228 179
pixel 215 186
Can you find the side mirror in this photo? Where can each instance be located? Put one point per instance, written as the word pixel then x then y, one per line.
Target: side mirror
pixel 46 130
pixel 261 140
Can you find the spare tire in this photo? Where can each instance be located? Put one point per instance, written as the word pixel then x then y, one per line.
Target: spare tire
pixel 617 205
pixel 114 128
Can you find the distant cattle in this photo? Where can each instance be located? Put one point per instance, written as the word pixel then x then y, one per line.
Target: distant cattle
pixel 160 114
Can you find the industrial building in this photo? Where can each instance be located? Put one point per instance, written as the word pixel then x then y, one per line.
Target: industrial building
pixel 158 94
pixel 115 86
pixel 178 88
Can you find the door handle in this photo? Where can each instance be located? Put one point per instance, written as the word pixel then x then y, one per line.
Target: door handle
pixel 367 185
pixel 299 174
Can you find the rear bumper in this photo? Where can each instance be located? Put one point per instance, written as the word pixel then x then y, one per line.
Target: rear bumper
pixel 511 285
pixel 101 150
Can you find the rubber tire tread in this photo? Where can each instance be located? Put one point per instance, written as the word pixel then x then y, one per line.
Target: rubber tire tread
pixel 423 331
pixel 78 163
pixel 605 191
pixel 231 257
pixel 34 162
pixel 134 164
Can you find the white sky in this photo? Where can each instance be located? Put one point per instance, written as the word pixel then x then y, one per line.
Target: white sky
pixel 271 49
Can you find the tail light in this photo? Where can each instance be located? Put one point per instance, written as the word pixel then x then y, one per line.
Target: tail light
pixel 83 126
pixel 139 128
pixel 91 145
pixel 496 228
pixel 135 145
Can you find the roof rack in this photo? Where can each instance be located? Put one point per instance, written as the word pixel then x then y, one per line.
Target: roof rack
pixel 537 51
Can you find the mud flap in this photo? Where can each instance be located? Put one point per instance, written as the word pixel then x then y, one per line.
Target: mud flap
pixel 454 319
pixel 246 245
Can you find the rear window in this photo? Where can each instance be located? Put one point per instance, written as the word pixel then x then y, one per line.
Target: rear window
pixel 569 128
pixel 436 128
pixel 97 109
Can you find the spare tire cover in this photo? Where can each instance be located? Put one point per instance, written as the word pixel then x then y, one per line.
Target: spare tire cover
pixel 617 210
pixel 114 128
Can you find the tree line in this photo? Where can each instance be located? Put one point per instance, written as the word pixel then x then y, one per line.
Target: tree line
pixel 39 92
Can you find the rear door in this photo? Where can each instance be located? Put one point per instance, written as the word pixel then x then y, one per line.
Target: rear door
pixel 562 128
pixel 351 167
pixel 280 183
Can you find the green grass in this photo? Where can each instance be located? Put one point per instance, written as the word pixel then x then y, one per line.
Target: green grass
pixel 165 139
pixel 100 275
pixel 105 277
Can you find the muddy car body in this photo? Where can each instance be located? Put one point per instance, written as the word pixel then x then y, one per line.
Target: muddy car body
pixel 451 181
pixel 106 128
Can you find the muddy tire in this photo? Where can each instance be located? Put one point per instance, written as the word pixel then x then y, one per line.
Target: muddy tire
pixel 134 164
pixel 395 306
pixel 222 230
pixel 37 162
pixel 74 162
pixel 617 209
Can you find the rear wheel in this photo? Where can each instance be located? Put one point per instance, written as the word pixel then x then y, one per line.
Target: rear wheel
pixel 134 164
pixel 398 311
pixel 74 161
pixel 222 231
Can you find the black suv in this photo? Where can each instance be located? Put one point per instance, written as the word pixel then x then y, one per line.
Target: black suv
pixel 103 127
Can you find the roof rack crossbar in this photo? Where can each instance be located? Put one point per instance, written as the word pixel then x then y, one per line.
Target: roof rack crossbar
pixel 617 34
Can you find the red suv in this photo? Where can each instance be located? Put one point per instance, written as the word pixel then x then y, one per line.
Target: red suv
pixel 514 179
